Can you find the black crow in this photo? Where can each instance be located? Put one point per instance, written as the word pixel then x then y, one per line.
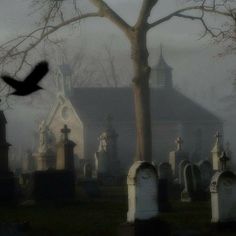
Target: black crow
pixel 30 83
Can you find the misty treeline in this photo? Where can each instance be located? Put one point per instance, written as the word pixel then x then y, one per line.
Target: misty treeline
pixel 217 18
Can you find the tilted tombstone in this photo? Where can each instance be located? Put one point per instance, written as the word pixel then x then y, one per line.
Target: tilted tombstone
pixel 142 192
pixel 206 173
pixel 192 183
pixel 175 157
pixel 223 201
pixel 181 166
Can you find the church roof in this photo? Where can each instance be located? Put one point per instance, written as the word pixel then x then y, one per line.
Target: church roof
pixel 94 104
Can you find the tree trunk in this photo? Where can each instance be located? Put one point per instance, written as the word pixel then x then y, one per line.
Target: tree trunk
pixel 141 96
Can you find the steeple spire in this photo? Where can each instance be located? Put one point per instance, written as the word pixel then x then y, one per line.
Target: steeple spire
pixel 163 77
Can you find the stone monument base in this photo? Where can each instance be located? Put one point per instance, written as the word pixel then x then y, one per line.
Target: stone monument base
pixel 53 185
pixel 8 190
pixel 152 227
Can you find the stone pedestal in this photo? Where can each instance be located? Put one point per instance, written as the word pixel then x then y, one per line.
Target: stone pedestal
pixel 45 160
pixel 142 192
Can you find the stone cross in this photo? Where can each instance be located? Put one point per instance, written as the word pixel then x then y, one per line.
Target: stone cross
pixel 65 131
pixel 223 161
pixel 179 142
pixel 218 136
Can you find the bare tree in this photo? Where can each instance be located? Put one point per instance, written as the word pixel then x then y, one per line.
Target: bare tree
pixel 55 19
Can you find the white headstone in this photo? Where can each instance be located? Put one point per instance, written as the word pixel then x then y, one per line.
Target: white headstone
pixel 223 200
pixel 142 191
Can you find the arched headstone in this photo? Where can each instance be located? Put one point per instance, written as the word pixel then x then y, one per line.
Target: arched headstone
pixel 142 192
pixel 223 201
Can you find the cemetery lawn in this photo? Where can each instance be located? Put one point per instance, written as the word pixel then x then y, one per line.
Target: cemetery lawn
pixel 101 216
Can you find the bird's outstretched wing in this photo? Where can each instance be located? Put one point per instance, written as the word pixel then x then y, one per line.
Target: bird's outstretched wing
pixel 10 81
pixel 39 71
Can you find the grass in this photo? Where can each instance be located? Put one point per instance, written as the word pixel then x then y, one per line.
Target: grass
pixel 101 216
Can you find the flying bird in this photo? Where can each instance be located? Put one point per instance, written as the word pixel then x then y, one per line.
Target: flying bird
pixel 30 83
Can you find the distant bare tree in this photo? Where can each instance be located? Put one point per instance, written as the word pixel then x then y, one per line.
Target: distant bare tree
pixel 56 18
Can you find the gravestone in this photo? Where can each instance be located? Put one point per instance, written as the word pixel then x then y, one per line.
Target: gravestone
pixel 181 167
pixel 223 201
pixel 175 157
pixel 142 192
pixel 88 170
pixel 165 171
pixel 216 152
pixel 192 184
pixel 65 151
pixel 164 186
pixel 46 154
pixel 107 165
pixel 206 170
pixel 57 184
pixel 7 179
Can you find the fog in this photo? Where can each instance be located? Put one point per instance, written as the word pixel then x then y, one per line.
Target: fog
pixel 198 71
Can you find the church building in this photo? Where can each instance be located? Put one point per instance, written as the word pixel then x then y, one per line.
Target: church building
pixel 85 111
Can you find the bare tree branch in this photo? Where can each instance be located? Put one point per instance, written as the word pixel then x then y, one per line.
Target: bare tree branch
pixel 109 13
pixel 145 11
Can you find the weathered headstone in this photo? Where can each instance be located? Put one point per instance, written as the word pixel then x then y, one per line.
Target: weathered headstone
pixel 181 167
pixel 206 170
pixel 175 157
pixel 192 184
pixel 142 192
pixel 216 152
pixel 223 201
pixel 65 152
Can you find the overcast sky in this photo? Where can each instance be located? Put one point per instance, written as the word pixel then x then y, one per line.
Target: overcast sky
pixel 197 68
